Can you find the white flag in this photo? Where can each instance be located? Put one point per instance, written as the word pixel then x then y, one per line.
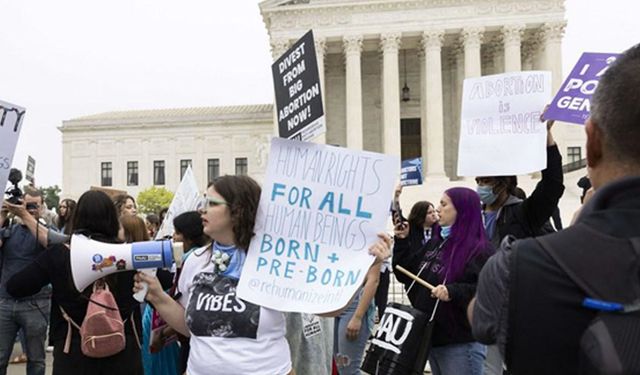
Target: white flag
pixel 186 199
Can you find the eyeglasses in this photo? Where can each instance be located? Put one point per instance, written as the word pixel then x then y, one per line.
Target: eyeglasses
pixel 210 202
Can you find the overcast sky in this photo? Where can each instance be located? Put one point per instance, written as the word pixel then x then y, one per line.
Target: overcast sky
pixel 68 58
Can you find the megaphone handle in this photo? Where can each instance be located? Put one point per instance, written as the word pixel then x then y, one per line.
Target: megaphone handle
pixel 142 293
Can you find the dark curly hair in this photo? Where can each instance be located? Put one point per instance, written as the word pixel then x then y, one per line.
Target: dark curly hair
pixel 242 194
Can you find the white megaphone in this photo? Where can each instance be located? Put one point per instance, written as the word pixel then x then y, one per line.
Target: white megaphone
pixel 92 260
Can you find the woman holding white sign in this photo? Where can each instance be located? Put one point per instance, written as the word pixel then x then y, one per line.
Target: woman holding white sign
pixel 235 336
pixel 452 262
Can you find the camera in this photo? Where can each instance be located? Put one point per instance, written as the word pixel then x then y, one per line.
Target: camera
pixel 14 193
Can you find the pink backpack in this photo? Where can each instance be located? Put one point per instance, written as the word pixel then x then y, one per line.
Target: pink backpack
pixel 102 330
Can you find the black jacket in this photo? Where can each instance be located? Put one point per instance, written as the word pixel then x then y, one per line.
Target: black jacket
pixel 451 325
pixel 530 303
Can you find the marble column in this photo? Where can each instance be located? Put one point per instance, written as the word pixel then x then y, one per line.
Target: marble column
pixel 458 55
pixel 321 49
pixel 472 39
pixel 552 33
pixel 423 103
pixel 352 48
pixel 552 43
pixel 389 43
pixel 278 47
pixel 434 152
pixel 511 37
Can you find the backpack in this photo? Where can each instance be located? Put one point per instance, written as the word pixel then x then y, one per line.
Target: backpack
pixel 102 330
pixel 609 344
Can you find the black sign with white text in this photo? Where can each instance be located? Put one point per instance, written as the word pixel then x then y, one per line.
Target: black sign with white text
pixel 297 88
pixel 31 169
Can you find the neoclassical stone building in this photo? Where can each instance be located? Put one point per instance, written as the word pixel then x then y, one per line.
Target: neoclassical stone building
pixel 369 51
pixel 133 150
pixel 391 72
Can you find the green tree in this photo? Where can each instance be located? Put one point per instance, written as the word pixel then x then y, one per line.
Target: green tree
pixel 153 199
pixel 51 196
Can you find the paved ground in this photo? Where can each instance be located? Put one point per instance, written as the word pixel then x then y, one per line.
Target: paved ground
pixel 21 369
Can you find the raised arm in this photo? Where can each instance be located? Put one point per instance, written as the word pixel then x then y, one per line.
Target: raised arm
pixel 39 231
pixel 543 201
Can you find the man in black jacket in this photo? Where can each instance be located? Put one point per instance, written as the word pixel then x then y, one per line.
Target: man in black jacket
pixel 529 295
pixel 505 214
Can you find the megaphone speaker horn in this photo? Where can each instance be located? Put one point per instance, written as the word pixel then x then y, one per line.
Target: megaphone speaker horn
pixel 92 260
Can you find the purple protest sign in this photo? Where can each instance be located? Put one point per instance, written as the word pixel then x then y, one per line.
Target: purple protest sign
pixel 573 102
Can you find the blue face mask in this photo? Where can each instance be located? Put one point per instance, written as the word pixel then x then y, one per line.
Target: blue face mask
pixel 445 231
pixel 487 196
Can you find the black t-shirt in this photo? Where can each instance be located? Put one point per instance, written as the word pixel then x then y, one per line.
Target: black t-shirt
pixel 53 267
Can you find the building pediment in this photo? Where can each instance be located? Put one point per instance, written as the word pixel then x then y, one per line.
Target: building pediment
pixel 331 19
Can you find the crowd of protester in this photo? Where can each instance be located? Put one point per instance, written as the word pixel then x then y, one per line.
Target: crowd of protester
pixel 468 247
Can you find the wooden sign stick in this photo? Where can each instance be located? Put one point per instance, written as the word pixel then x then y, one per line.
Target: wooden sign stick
pixel 416 278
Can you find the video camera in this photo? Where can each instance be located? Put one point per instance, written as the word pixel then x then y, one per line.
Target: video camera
pixel 14 193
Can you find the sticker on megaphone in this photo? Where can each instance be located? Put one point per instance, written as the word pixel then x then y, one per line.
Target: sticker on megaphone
pixel 92 260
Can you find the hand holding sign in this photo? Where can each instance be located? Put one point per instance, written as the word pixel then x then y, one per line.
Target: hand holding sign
pixel 317 226
pixel 500 130
pixel 573 102
pixel 381 249
pixel 550 123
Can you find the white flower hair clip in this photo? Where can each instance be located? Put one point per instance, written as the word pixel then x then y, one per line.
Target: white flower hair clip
pixel 220 261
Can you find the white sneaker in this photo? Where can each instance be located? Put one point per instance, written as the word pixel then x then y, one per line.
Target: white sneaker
pixel 49 349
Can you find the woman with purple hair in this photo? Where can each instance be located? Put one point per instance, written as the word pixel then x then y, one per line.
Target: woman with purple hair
pixel 452 262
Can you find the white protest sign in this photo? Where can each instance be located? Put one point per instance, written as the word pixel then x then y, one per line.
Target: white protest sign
pixel 187 198
pixel 11 117
pixel 500 131
pixel 320 209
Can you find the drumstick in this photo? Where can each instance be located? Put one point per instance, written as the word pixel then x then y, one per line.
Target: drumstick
pixel 416 278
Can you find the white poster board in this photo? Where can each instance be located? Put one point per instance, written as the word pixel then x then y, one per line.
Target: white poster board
pixel 320 209
pixel 500 130
pixel 11 117
pixel 187 198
